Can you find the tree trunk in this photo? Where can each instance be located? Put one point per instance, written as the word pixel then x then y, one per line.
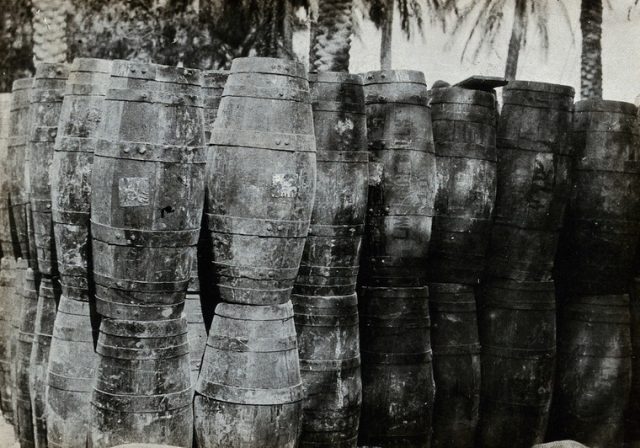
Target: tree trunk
pixel 591 62
pixel 331 37
pixel 517 34
pixel 50 30
pixel 387 31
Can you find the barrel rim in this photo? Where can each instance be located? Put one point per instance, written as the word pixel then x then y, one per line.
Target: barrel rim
pixel 51 70
pixel 92 65
pixel 448 95
pixel 22 84
pixel 269 66
pixel 600 105
pixel 538 86
pixel 394 77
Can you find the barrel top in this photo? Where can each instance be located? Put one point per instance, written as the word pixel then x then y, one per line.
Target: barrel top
pixel 274 66
pixel 22 84
pixel 598 105
pixel 460 95
pixel 559 89
pixel 255 312
pixel 50 70
pixel 393 76
pixel 156 72
pixel 336 77
pixel 215 78
pixel 91 65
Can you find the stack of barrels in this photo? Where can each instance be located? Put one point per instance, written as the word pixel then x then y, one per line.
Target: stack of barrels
pixel 517 316
pixel 393 296
pixel 261 175
pixel 464 131
pixel 596 263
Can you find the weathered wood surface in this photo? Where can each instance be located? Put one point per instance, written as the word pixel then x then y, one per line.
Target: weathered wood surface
pixel 6 241
pixel 195 321
pixel 329 351
pixel 249 392
pixel 632 414
pixel 456 364
pixel 534 158
pixel 402 179
pixel 20 271
pixel 147 191
pixel 396 352
pixel 593 376
pixel 518 337
pixel 212 87
pixel 8 309
pixel 16 165
pixel 263 138
pixel 71 372
pixel 599 242
pixel 464 133
pixel 142 389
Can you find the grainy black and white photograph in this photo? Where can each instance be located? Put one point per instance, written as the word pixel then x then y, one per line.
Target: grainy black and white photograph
pixel 319 224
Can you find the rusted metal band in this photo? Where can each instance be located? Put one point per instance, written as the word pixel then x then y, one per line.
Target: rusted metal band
pixel 43 134
pixel 329 365
pixel 150 152
pixel 155 97
pixel 453 306
pixel 519 352
pixel 323 320
pixel 261 313
pixel 67 143
pixel 270 66
pixel 336 230
pixel 346 273
pixel 336 106
pixel 257 227
pixel 136 311
pixel 70 384
pixel 537 304
pixel 139 285
pixel 446 223
pixel 16 140
pixel 261 345
pixel 155 72
pixel 339 304
pixel 465 150
pixel 395 144
pixel 249 296
pixel 399 97
pixel 40 205
pixel 456 349
pixel 143 238
pixel 255 273
pixel 396 358
pixel 343 156
pixel 143 353
pixel 276 141
pixel 70 218
pixel 142 403
pixel 524 144
pixel 99 90
pixel 91 65
pixel 284 93
pixel 25 337
pixel 251 396
pixel 413 321
pixel 46 95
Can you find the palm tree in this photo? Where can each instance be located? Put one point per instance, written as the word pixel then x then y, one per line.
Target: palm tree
pixel 331 36
pixel 591 58
pixel 50 30
pixel 16 40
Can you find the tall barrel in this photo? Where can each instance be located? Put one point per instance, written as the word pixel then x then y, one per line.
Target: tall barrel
pixel 8 308
pixel 249 392
pixel 518 337
pixel 143 387
pixel 456 364
pixel 20 272
pixel 195 321
pixel 397 374
pixel 593 378
pixel 6 240
pixel 212 87
pixel 402 178
pixel 533 179
pixel 464 133
pixel 261 172
pixel 599 243
pixel 17 149
pixel 632 417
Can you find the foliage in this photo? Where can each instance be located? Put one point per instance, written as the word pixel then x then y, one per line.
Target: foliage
pixel 16 42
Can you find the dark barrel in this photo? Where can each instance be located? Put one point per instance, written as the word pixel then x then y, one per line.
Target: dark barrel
pixel 402 179
pixel 330 260
pixel 329 350
pixel 593 378
pixel 599 242
pixel 632 416
pixel 20 272
pixel 261 172
pixel 196 325
pixel 518 338
pixel 143 387
pixel 8 310
pixel 147 191
pixel 6 240
pixel 249 392
pixel 397 374
pixel 212 87
pixel 464 133
pixel 456 364
pixel 16 164
pixel 534 151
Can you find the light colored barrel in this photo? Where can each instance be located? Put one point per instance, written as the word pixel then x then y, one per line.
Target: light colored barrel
pixel 8 309
pixel 6 240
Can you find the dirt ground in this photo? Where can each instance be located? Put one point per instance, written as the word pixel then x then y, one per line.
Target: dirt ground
pixel 7 438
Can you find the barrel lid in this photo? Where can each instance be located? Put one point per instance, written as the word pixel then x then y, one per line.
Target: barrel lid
pixel 598 105
pixel 156 72
pixel 215 78
pixel 392 76
pixel 460 95
pixel 275 66
pixel 336 77
pixel 541 87
pixel 255 312
pixel 50 70
pixel 91 65
pixel 22 84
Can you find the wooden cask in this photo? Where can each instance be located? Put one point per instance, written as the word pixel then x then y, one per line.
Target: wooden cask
pixel 6 240
pixel 534 151
pixel 397 374
pixel 518 338
pixel 71 372
pixel 402 179
pixel 20 272
pixel 593 378
pixel 329 351
pixel 142 388
pixel 261 175
pixel 195 322
pixel 8 309
pixel 147 191
pixel 599 243
pixel 632 414
pixel 249 392
pixel 456 364
pixel 212 87
pixel 464 133
pixel 16 166
pixel 330 259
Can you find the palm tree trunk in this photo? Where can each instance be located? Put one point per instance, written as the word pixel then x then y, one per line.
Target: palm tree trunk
pixel 50 30
pixel 387 32
pixel 331 37
pixel 591 61
pixel 517 34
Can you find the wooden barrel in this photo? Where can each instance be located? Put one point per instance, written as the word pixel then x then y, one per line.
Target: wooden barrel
pixel 147 191
pixel 593 376
pixel 71 372
pixel 464 133
pixel 24 417
pixel 632 415
pixel 20 272
pixel 456 364
pixel 17 149
pixel 329 350
pixel 601 236
pixel 402 179
pixel 518 338
pixel 330 259
pixel 249 392
pixel 6 241
pixel 397 374
pixel 196 325
pixel 212 87
pixel 533 187
pixel 262 138
pixel 8 308
pixel 39 362
pixel 142 389
pixel 80 116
